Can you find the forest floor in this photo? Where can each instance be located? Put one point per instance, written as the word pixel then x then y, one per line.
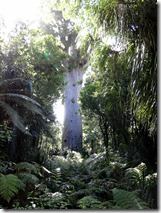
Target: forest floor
pixel 73 182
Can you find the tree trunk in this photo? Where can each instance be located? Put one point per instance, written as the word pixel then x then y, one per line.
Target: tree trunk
pixel 72 134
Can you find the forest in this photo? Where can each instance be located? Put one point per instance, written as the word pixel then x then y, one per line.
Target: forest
pixel 99 58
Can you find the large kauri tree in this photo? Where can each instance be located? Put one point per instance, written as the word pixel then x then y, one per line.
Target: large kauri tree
pixel 73 63
pixel 72 134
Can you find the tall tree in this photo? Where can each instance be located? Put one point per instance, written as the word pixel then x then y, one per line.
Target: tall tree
pixel 72 132
pixel 65 31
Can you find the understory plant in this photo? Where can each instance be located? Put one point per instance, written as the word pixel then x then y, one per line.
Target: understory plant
pixel 67 181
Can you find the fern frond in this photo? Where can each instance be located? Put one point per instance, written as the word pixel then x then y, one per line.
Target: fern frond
pixel 28 167
pixel 135 177
pixel 151 180
pixel 150 190
pixel 24 100
pixel 19 96
pixel 142 168
pixel 128 200
pixel 89 202
pixel 32 107
pixel 57 176
pixel 15 117
pixel 9 186
pixel 132 176
pixel 28 178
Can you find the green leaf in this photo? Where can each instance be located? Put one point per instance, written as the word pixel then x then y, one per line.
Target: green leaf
pixel 25 166
pixel 128 200
pixel 9 186
pixel 28 178
pixel 89 202
pixel 23 97
pixel 15 117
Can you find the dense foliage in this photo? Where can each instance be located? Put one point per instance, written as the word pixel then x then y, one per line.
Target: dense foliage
pixel 121 91
pixel 117 167
pixel 66 181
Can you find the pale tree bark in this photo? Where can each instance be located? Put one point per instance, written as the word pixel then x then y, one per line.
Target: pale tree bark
pixel 72 133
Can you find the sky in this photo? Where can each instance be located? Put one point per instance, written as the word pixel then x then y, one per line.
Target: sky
pixel 13 10
pixel 59 111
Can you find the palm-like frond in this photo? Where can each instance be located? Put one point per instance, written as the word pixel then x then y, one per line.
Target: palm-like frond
pixel 19 96
pixel 14 116
pixel 24 100
pixel 9 99
pixel 9 186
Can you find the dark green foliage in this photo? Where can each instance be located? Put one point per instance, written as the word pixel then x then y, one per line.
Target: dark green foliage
pixel 25 166
pixel 89 202
pixel 128 200
pixel 137 178
pixel 48 200
pixel 150 190
pixel 71 182
pixel 120 92
pixel 32 60
pixel 9 186
pixel 27 178
pixel 5 133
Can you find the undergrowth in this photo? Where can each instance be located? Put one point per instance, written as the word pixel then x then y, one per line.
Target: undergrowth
pixel 67 181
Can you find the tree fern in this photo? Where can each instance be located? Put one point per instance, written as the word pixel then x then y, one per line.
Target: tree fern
pixel 14 116
pixel 11 99
pixel 136 178
pixel 24 100
pixel 13 96
pixel 128 200
pixel 9 186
